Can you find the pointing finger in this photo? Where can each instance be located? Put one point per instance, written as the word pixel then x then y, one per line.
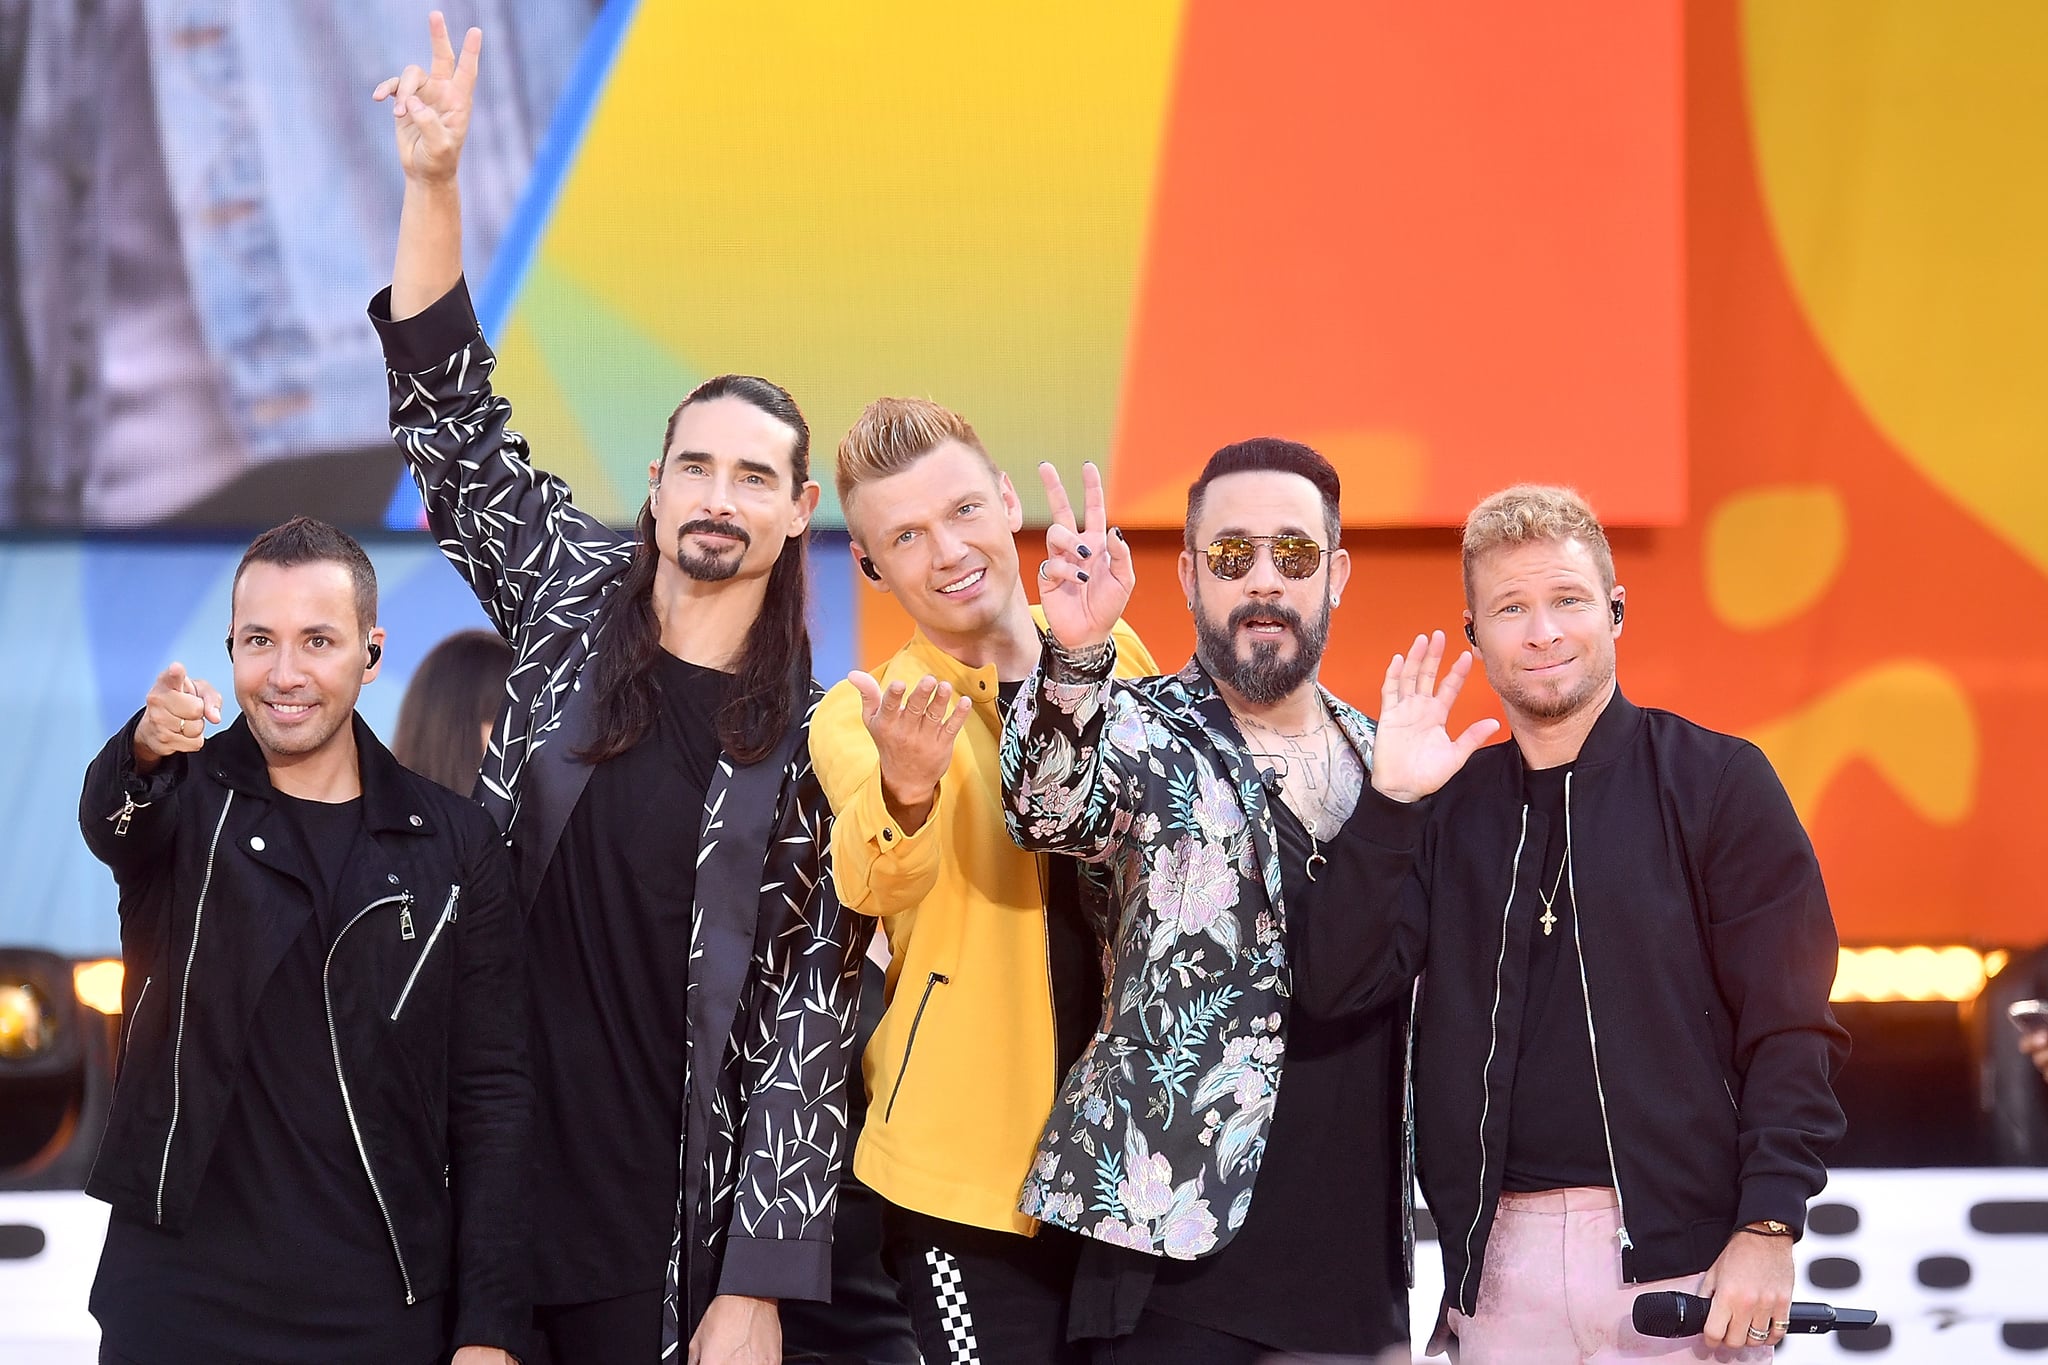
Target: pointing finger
pixel 1057 502
pixel 444 55
pixel 1093 516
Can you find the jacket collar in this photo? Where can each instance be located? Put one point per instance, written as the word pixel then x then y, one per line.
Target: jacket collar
pixel 1206 699
pixel 1608 740
pixel 966 679
pixel 389 800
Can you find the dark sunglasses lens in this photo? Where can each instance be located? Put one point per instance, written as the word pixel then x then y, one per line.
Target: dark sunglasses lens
pixel 1230 557
pixel 1296 556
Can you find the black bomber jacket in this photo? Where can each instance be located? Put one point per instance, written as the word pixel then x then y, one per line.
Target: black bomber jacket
pixel 424 998
pixel 1708 950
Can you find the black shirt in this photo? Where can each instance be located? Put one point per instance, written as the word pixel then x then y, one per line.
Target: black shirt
pixel 607 963
pixel 286 1256
pixel 1073 951
pixel 1555 1140
pixel 1329 1180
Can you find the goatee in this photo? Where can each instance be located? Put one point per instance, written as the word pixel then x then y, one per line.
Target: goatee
pixel 711 568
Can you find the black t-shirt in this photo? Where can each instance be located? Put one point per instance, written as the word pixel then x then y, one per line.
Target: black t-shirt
pixel 1555 1140
pixel 1073 953
pixel 1330 1178
pixel 607 963
pixel 285 1256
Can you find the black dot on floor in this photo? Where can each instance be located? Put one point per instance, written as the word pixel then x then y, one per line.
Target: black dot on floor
pixel 2010 1217
pixel 1878 1338
pixel 2025 1336
pixel 1944 1272
pixel 1834 1272
pixel 1833 1220
pixel 21 1241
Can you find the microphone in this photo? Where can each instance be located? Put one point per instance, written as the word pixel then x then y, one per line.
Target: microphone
pixel 1668 1313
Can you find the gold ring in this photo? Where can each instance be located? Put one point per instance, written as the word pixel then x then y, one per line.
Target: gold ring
pixel 1755 1335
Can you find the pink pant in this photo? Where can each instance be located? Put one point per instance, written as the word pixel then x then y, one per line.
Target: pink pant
pixel 1552 1292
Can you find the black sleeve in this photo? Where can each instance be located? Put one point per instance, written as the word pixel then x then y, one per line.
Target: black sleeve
pixel 490 1105
pixel 129 820
pixel 1772 940
pixel 1364 950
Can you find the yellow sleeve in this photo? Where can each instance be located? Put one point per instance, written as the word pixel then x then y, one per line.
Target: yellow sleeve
pixel 878 868
pixel 1133 660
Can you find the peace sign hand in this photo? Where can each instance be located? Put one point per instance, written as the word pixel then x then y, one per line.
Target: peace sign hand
pixel 431 107
pixel 1087 577
pixel 1413 753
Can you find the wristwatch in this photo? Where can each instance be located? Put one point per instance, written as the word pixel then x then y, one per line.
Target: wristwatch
pixel 1768 1227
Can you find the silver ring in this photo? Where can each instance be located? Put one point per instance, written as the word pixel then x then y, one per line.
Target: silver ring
pixel 1045 568
pixel 1755 1335
pixel 182 730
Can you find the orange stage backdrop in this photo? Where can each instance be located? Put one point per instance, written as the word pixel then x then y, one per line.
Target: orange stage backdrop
pixel 1861 580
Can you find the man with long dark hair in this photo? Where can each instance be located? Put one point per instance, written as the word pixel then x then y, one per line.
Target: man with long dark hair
pixel 692 969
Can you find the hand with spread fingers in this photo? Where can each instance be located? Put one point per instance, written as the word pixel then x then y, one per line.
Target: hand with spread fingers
pixel 1750 1283
pixel 430 108
pixel 913 729
pixel 175 715
pixel 1086 578
pixel 1413 752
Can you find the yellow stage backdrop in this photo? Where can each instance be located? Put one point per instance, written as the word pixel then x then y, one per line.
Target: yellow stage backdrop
pixel 1766 279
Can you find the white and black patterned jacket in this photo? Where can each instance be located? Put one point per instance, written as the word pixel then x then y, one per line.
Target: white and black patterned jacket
pixel 774 960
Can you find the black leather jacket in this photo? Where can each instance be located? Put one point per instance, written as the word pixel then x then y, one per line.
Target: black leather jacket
pixel 423 997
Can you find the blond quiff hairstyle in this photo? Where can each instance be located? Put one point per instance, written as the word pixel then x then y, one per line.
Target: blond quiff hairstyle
pixel 1529 513
pixel 892 434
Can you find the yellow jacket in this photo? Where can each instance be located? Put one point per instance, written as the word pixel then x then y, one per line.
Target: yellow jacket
pixel 960 1072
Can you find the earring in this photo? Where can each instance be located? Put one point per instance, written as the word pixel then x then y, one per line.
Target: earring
pixel 1335 600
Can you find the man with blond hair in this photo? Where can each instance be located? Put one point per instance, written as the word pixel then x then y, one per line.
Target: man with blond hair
pixel 1624 1049
pixel 995 982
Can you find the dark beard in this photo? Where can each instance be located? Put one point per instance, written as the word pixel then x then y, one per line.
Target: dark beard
pixel 711 568
pixel 1264 677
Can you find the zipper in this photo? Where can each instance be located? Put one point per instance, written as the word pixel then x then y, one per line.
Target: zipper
pixel 1592 1038
pixel 405 918
pixel 1492 1046
pixel 347 1104
pixel 135 1016
pixel 163 1174
pixel 935 979
pixel 121 817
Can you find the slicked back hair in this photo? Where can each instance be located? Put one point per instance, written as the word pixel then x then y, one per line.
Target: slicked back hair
pixel 1270 454
pixel 760 705
pixel 307 540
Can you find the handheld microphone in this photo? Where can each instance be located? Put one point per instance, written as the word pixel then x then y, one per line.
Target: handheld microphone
pixel 1668 1313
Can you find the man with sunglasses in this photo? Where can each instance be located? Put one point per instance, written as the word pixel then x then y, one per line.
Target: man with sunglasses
pixel 1230 1215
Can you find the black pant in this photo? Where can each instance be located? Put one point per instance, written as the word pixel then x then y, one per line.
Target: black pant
pixel 865 1324
pixel 604 1330
pixel 1160 1340
pixel 978 1297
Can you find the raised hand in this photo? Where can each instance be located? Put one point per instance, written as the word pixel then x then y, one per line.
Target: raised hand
pixel 914 735
pixel 175 715
pixel 1086 579
pixel 1413 753
pixel 430 108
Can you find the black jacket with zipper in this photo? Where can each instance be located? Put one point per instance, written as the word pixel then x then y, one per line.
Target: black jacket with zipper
pixel 424 1001
pixel 1708 951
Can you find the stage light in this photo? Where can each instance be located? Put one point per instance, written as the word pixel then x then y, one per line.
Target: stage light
pixel 98 984
pixel 27 1028
pixel 1919 972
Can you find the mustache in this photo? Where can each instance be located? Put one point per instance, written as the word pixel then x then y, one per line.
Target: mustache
pixel 706 526
pixel 1252 611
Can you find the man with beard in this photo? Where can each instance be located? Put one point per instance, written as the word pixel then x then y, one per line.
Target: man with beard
pixel 995 974
pixel 692 971
pixel 1624 1048
pixel 1219 801
pixel 317 1150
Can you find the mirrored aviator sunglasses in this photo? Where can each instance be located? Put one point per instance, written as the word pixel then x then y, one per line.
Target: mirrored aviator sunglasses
pixel 1232 557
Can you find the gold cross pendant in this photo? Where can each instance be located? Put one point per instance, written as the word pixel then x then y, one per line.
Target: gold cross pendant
pixel 1548 921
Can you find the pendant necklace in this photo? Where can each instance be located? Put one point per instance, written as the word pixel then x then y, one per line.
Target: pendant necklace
pixel 1549 920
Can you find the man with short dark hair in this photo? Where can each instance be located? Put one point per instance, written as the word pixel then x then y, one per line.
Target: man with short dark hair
pixel 1624 1050
pixel 317 1149
pixel 1236 1158
pixel 695 979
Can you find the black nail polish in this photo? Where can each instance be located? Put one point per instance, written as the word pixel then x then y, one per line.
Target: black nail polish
pixel 1081 574
pixel 1117 531
pixel 1083 551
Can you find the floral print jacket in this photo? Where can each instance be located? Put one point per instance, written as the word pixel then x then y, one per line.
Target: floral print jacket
pixel 1158 1132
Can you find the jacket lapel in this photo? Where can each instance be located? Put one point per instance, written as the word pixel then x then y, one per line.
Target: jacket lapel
pixel 1244 776
pixel 555 779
